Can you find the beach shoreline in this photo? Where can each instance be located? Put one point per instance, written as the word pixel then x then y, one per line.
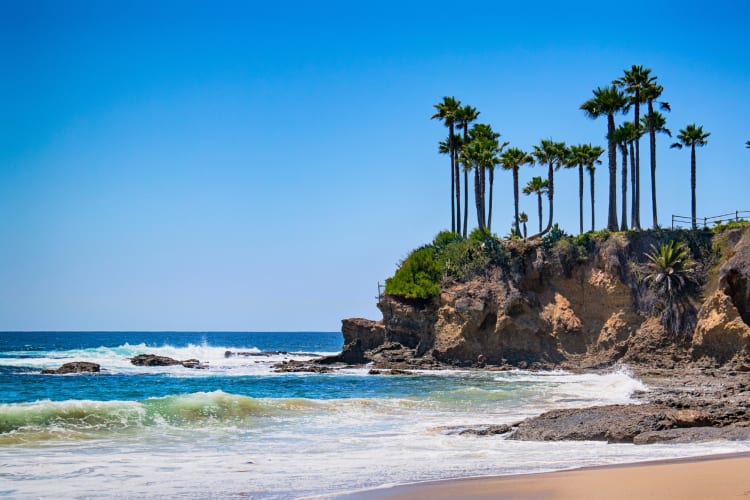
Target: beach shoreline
pixel 707 476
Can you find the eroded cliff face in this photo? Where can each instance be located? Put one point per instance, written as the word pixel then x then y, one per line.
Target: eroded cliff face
pixel 548 309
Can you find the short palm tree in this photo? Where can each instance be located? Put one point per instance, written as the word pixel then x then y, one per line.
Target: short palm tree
pixel 669 273
pixel 650 94
pixel 446 112
pixel 554 155
pixel 512 159
pixel 539 187
pixel 523 219
pixel 580 155
pixel 608 101
pixel 692 136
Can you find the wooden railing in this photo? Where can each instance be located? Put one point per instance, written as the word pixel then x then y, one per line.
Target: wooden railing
pixel 679 220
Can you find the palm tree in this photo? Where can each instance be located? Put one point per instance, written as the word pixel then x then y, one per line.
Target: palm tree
pixel 579 157
pixel 554 155
pixel 692 136
pixel 446 111
pixel 655 123
pixel 606 102
pixel 512 159
pixel 537 186
pixel 485 153
pixel 633 82
pixel 650 94
pixel 523 219
pixel 591 163
pixel 464 117
pixel 624 136
pixel 461 159
pixel 747 144
pixel 669 272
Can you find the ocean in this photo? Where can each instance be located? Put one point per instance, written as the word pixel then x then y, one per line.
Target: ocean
pixel 237 429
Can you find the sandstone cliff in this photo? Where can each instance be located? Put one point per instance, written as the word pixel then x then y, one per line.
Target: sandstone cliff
pixel 572 307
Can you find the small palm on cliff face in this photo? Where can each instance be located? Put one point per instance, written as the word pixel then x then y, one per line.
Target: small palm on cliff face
pixel 669 272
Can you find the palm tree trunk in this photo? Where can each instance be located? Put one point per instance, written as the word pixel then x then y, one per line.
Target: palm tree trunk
pixel 466 200
pixel 524 230
pixel 550 195
pixel 624 224
pixel 539 203
pixel 633 190
pixel 652 144
pixel 692 184
pixel 452 153
pixel 489 215
pixel 593 213
pixel 457 174
pixel 580 197
pixel 478 196
pixel 612 154
pixel 515 199
pixel 636 208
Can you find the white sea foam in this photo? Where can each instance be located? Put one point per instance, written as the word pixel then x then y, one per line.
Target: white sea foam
pixel 116 360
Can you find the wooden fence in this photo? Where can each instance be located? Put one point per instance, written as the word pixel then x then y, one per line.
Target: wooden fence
pixel 680 220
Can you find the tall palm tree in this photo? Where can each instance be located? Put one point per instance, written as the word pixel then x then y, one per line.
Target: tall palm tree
pixel 512 159
pixel 446 111
pixel 461 158
pixel 624 135
pixel 633 82
pixel 465 115
pixel 579 157
pixel 554 155
pixel 591 163
pixel 650 94
pixel 537 186
pixel 608 101
pixel 523 219
pixel 692 136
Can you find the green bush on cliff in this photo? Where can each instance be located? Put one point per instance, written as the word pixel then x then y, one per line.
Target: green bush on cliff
pixel 463 260
pixel 418 277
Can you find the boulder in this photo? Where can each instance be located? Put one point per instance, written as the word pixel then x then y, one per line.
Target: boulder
pixel 74 367
pixel 153 360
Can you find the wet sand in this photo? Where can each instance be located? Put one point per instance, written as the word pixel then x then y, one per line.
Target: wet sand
pixel 712 477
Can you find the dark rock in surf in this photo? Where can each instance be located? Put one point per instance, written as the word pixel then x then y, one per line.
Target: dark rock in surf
pixel 74 367
pixel 293 366
pixel 154 360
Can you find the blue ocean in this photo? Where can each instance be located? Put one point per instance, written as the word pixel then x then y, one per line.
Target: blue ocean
pixel 239 429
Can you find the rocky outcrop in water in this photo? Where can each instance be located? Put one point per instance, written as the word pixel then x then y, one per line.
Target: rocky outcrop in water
pixel 154 360
pixel 74 367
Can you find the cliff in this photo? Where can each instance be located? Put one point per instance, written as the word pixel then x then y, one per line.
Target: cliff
pixel 570 303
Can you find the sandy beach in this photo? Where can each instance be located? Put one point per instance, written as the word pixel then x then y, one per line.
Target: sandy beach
pixel 712 477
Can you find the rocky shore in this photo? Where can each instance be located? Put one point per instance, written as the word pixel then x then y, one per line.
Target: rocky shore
pixel 556 308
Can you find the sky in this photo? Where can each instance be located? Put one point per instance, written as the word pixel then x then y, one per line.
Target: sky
pixel 222 166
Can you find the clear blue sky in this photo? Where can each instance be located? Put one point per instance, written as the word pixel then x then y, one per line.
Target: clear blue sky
pixel 261 166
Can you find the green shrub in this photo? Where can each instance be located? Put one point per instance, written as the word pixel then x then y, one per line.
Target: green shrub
pixel 553 236
pixel 418 277
pixel 444 239
pixel 464 260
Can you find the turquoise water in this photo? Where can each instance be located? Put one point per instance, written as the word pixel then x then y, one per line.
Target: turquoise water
pixel 239 429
